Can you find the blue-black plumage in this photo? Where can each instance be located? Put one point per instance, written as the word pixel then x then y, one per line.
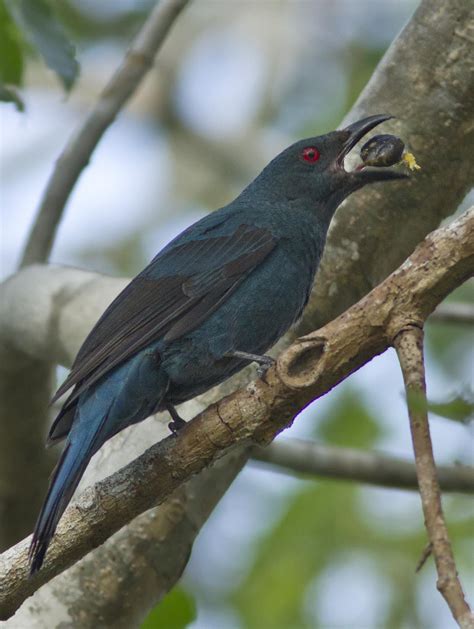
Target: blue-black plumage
pixel 228 286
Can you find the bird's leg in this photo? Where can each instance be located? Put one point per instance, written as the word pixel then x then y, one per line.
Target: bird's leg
pixel 264 362
pixel 177 423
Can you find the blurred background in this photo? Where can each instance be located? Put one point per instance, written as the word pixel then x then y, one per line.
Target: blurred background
pixel 235 83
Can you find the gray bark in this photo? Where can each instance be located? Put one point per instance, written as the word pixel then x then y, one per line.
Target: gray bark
pixel 426 79
pixel 135 567
pixel 309 368
pixel 353 464
pixel 23 465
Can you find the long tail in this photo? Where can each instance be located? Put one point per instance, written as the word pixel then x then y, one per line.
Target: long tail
pixel 64 481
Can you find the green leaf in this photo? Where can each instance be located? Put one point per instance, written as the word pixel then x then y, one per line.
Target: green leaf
pixel 458 408
pixel 349 422
pixel 36 19
pixel 8 94
pixel 176 611
pixel 11 54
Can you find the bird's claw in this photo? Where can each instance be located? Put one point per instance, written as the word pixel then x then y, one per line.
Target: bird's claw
pixel 265 365
pixel 176 425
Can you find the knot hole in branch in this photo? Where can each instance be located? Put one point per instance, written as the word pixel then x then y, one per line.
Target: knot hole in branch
pixel 300 365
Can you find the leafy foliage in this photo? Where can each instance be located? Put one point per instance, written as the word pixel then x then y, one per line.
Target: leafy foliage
pixel 457 408
pixel 31 26
pixel 11 59
pixel 325 525
pixel 45 33
pixel 175 611
pixel 322 523
pixel 8 94
pixel 337 428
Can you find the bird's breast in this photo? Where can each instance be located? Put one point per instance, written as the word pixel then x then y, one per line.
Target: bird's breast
pixel 252 319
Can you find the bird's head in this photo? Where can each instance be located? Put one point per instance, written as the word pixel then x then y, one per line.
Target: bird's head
pixel 311 172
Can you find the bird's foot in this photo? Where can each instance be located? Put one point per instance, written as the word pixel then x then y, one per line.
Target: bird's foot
pixel 175 426
pixel 178 422
pixel 264 362
pixel 264 366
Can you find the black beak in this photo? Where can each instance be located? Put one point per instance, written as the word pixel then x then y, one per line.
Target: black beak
pixel 357 131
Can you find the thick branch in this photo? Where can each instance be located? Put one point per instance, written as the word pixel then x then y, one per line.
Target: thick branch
pixel 308 369
pixel 77 153
pixel 456 313
pixel 27 375
pixel 135 568
pixel 409 346
pixel 444 102
pixel 23 466
pixel 433 103
pixel 47 311
pixel 308 457
pixel 20 433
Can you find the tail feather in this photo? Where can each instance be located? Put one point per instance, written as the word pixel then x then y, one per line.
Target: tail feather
pixel 63 422
pixel 65 479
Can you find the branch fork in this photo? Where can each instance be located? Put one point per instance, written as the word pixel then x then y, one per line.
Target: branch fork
pixel 255 414
pixel 411 211
pixel 409 346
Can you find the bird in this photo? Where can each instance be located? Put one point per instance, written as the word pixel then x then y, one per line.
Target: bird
pixel 213 300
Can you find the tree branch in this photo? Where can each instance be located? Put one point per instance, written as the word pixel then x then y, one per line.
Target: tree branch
pixel 409 346
pixel 78 150
pixel 456 313
pixel 308 457
pixel 23 466
pixel 47 311
pixel 373 232
pixel 308 369
pixel 27 374
pixel 149 556
pixel 351 266
pixel 19 433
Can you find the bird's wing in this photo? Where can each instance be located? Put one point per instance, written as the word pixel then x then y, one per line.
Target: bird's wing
pixel 205 272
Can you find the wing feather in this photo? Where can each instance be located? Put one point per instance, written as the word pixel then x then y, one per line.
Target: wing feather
pixel 205 272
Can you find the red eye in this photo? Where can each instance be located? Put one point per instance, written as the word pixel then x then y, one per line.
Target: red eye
pixel 310 154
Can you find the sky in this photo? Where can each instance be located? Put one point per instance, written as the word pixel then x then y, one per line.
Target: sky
pixel 130 186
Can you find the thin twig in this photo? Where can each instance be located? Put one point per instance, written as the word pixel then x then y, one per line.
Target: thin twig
pixel 427 552
pixel 456 313
pixel 409 346
pixel 308 457
pixel 77 152
pixel 305 371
